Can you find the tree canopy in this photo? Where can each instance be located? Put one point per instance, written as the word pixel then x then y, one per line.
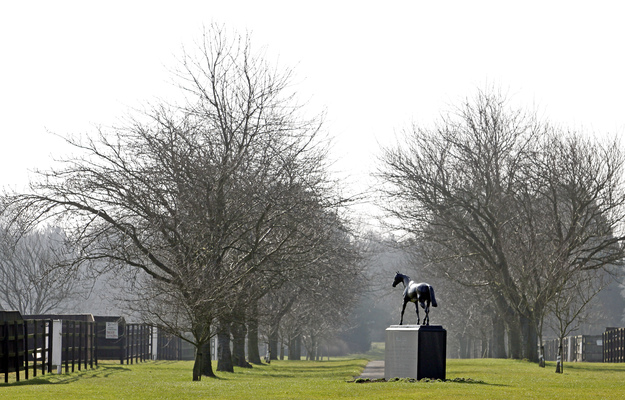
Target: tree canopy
pixel 227 190
pixel 499 200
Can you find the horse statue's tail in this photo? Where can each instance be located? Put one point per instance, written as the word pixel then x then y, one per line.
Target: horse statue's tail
pixel 432 297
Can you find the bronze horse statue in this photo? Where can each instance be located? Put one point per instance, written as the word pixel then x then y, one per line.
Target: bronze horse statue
pixel 421 293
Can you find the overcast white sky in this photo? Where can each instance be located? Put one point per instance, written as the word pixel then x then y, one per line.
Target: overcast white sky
pixel 374 66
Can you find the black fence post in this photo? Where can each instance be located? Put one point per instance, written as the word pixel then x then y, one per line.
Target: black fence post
pixel 16 362
pixel 79 359
pixel 50 346
pixel 26 352
pixel 73 345
pixel 90 327
pixel 124 345
pixel 65 341
pixel 152 343
pixel 35 348
pixel 5 351
pixel 95 339
pixel 131 343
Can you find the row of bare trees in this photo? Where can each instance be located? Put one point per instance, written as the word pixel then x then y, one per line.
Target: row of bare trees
pixel 222 205
pixel 37 274
pixel 525 215
pixel 223 209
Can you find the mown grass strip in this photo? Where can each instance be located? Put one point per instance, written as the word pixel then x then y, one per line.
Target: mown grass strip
pixel 467 379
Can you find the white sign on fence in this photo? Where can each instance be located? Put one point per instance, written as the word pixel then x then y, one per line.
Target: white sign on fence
pixel 111 330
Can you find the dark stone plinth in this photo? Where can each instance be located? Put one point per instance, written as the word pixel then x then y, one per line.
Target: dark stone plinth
pixel 415 351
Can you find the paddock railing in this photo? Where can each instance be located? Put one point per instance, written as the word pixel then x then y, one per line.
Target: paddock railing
pixel 25 347
pixel 614 345
pixel 78 349
pixel 38 346
pixel 139 343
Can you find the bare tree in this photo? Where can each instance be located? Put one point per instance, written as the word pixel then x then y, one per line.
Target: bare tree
pixel 37 275
pixel 323 278
pixel 197 197
pixel 570 305
pixel 508 203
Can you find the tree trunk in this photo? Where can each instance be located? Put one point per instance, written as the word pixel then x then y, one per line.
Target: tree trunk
pixel 560 360
pixel 273 343
pixel 253 354
pixel 197 365
pixel 207 365
pixel 498 340
pixel 510 319
pixel 313 346
pixel 463 346
pixel 485 353
pixel 224 356
pixel 530 338
pixel 514 339
pixel 309 350
pixel 295 347
pixel 238 344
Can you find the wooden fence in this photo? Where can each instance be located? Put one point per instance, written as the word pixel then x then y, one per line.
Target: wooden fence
pixel 27 346
pixel 38 346
pixel 78 346
pixel 139 343
pixel 576 348
pixel 614 345
pixel 118 340
pixel 170 347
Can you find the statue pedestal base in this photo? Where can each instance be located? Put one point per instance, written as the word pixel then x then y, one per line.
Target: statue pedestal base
pixel 415 351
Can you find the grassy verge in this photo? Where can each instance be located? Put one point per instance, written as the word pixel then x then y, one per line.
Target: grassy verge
pixel 479 379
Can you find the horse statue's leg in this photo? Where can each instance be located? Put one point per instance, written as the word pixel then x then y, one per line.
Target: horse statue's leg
pixel 403 308
pixel 416 306
pixel 426 320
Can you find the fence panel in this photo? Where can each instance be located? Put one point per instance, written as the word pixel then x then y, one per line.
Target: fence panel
pixel 169 346
pixel 78 345
pixel 614 345
pixel 12 350
pixel 139 346
pixel 24 346
pixel 37 333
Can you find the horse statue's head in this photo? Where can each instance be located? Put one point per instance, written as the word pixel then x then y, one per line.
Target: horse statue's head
pixel 398 278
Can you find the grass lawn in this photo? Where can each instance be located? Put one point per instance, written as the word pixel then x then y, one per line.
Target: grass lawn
pixel 495 379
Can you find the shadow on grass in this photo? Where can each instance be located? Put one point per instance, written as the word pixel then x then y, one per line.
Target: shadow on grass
pixel 472 382
pixel 426 380
pixel 298 368
pixel 102 371
pixel 33 381
pixel 238 371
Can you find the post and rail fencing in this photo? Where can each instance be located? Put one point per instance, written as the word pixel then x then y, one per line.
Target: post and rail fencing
pixel 118 340
pixel 139 343
pixel 614 345
pixel 173 348
pixel 29 346
pixel 608 347
pixel 25 347
pixel 38 346
pixel 587 348
pixel 78 345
